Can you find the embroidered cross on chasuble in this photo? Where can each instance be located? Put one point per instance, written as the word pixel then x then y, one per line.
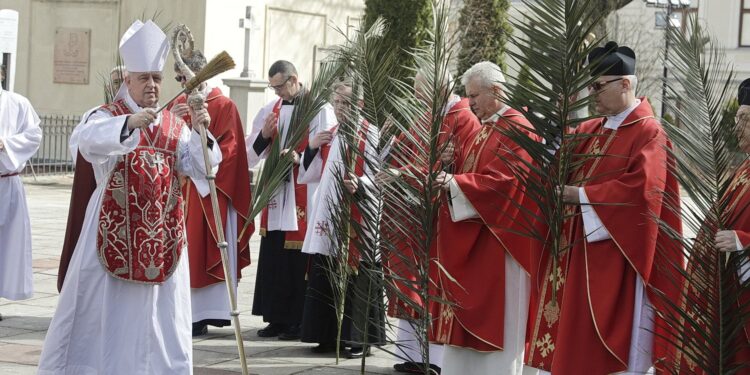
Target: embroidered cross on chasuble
pixel 141 231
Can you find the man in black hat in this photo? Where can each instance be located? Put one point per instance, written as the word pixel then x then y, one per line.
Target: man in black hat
pixel 603 319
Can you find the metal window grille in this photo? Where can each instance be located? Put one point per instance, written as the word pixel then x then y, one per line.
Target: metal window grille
pixel 53 156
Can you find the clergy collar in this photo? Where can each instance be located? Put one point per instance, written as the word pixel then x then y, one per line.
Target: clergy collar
pixel 613 122
pixel 295 99
pixel 496 116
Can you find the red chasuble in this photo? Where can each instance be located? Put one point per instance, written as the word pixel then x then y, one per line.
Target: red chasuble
pixel 473 251
pixel 737 216
pixel 232 187
pixel 141 229
pixel 458 125
pixel 292 240
pixel 84 184
pixel 588 330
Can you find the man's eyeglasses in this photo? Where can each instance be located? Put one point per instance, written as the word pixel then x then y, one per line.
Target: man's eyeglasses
pixel 180 79
pixel 597 86
pixel 279 86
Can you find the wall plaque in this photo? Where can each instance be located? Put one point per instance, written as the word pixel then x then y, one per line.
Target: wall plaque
pixel 72 56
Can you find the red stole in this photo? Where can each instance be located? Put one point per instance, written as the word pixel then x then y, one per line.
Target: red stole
pixel 141 228
pixel 468 250
pixel 232 187
pixel 589 330
pixel 292 240
pixel 84 184
pixel 458 125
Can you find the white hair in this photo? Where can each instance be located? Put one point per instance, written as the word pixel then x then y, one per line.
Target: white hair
pixel 488 73
pixel 633 81
pixel 447 77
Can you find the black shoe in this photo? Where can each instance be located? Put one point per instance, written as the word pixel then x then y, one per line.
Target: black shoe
pixel 271 330
pixel 199 329
pixel 324 348
pixel 292 333
pixel 415 368
pixel 357 352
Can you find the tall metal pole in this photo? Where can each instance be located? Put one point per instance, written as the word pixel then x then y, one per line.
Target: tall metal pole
pixel 666 60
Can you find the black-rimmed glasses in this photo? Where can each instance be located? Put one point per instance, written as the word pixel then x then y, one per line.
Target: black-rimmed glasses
pixel 280 85
pixel 596 86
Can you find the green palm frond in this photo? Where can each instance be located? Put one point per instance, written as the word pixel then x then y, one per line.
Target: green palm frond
pixel 548 90
pixel 707 323
pixel 277 167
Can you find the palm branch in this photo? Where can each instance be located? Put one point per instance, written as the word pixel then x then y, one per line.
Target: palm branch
pixel 277 167
pixel 707 322
pixel 554 47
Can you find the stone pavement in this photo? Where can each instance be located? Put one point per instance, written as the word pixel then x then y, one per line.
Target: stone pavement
pixel 25 323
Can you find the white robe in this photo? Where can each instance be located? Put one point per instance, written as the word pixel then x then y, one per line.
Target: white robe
pixel 326 194
pixel 21 135
pixel 283 214
pixel 104 325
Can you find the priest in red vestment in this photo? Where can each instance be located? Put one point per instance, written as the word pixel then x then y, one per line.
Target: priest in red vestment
pixel 209 293
pixel 734 239
pixel 458 124
pixel 604 320
pixel 484 273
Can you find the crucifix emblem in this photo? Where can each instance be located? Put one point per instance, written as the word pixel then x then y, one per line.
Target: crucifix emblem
pixel 322 228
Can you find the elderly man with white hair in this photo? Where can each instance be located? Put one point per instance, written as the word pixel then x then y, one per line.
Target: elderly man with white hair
pixel 485 265
pixel 125 305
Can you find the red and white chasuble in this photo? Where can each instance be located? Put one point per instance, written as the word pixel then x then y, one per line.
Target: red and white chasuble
pixel 233 188
pixel 141 228
pixel 475 240
pixel 458 125
pixel 602 321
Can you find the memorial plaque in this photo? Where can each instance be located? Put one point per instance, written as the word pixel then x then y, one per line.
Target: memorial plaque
pixel 72 56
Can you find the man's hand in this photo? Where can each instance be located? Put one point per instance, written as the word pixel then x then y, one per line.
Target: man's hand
pixel 448 154
pixel 387 176
pixel 269 126
pixel 200 117
pixel 295 155
pixel 180 110
pixel 142 119
pixel 726 241
pixel 570 194
pixel 322 138
pixel 441 181
pixel 351 184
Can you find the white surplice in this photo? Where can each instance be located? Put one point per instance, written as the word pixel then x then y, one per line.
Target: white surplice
pixel 282 211
pixel 21 135
pixel 104 325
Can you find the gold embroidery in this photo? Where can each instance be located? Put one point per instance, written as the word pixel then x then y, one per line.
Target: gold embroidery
pixel 483 134
pixel 551 313
pixel 545 345
pixel 560 278
pixel 300 213
pixel 469 163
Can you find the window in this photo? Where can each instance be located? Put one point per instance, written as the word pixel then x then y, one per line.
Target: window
pixel 744 31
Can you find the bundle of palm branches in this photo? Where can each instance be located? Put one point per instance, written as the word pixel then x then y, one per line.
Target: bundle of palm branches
pixel 396 227
pixel 708 321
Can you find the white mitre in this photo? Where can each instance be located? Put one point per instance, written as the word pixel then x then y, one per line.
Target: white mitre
pixel 144 47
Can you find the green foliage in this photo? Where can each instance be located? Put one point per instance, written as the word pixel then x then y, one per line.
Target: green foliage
pixel 408 24
pixel 484 31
